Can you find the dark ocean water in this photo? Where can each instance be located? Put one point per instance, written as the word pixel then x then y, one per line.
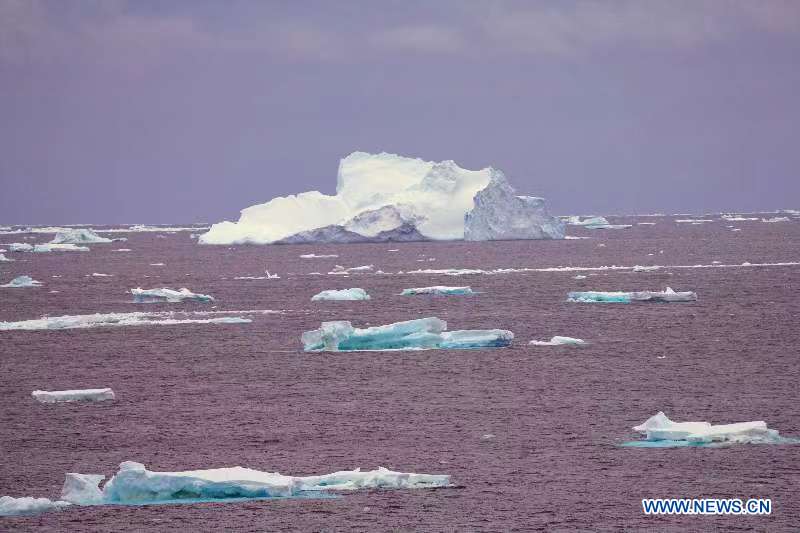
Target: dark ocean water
pixel 203 396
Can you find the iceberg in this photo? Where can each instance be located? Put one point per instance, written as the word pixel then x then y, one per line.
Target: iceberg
pixel 22 282
pixel 46 247
pixel 560 341
pixel 629 297
pixel 341 295
pixel 169 295
pixel 134 484
pixel 664 432
pixel 4 259
pixel 78 236
pixel 385 197
pixel 439 290
pixel 422 333
pixel 90 395
pixel 118 319
pixel 26 505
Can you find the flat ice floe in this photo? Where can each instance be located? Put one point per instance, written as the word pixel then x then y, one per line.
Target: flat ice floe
pixel 78 395
pixel 439 290
pixel 339 269
pixel 315 256
pixel 423 333
pixel 4 259
pixel 595 223
pixel 45 248
pixel 119 319
pixel 168 295
pixel 776 219
pixel 79 236
pixel 630 297
pixel 26 505
pixel 660 431
pixel 341 295
pixel 21 282
pixel 560 341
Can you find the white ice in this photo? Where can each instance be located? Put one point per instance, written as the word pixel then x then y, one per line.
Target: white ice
pixel 90 395
pixel 641 268
pixel 438 290
pixel 341 295
pixel 776 219
pixel 559 341
pixel 667 295
pixel 423 333
pixel 10 506
pixel 117 319
pixel 339 269
pixel 659 427
pixel 169 295
pixel 78 236
pixel 21 282
pixel 46 247
pixel 4 259
pixel 320 256
pixel 433 197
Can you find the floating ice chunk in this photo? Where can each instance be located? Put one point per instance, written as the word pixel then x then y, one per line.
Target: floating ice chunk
pixel 776 219
pixel 122 250
pixel 78 236
pixel 627 297
pixel 693 220
pixel 118 319
pixel 341 295
pixel 170 295
pixel 579 276
pixel 641 268
pixel 271 276
pixel 595 223
pixel 26 505
pixel 646 223
pixel 4 259
pixel 738 218
pixel 46 247
pixel 320 256
pixel 339 269
pixel 134 484
pixel 21 282
pixel 559 341
pixel 156 264
pixel 660 428
pixel 423 333
pixel 439 290
pixel 100 275
pixel 90 395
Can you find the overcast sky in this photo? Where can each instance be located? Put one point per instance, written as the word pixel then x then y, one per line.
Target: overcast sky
pixel 122 111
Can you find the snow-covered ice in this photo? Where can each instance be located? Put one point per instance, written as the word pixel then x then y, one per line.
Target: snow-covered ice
pixel 423 333
pixel 439 290
pixel 46 247
pixel 341 295
pixel 169 295
pixel 78 236
pixel 26 505
pixel 667 295
pixel 339 269
pixel 662 431
pixel 641 268
pixel 776 219
pixel 389 197
pixel 559 341
pixel 595 223
pixel 118 319
pixel 21 282
pixel 79 395
pixel 319 256
pixel 4 259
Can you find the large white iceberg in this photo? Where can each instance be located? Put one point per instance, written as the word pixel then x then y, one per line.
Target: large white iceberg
pixel 386 197
pixel 134 484
pixel 341 295
pixel 439 290
pixel 21 282
pixel 79 395
pixel 630 297
pixel 10 506
pixel 78 236
pixel 422 333
pixel 660 428
pixel 118 320
pixel 169 295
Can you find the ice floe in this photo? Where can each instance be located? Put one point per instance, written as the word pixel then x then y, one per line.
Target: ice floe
pixel 21 282
pixel 439 290
pixel 78 395
pixel 341 295
pixel 660 431
pixel 79 236
pixel 595 223
pixel 559 341
pixel 423 333
pixel 667 295
pixel 169 295
pixel 119 319
pixel 339 269
pixel 641 268
pixel 45 248
pixel 122 250
pixel 318 256
pixel 776 219
pixel 693 220
pixel 10 506
pixel 4 259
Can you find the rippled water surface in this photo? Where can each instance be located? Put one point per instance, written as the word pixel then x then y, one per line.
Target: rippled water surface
pixel 197 396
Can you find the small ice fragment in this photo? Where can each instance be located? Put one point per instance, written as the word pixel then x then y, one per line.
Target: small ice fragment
pixel 122 250
pixel 487 436
pixel 560 341
pixel 339 269
pixel 341 295
pixel 90 395
pixel 169 295
pixel 26 505
pixel 156 264
pixel 4 259
pixel 579 276
pixel 315 256
pixel 439 290
pixel 100 275
pixel 22 282
pixel 641 268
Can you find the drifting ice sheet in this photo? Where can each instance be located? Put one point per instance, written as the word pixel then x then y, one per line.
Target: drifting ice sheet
pixel 90 395
pixel 4 259
pixel 46 248
pixel 423 333
pixel 21 282
pixel 28 506
pixel 168 295
pixel 659 430
pixel 559 341
pixel 628 297
pixel 341 295
pixel 117 319
pixel 134 484
pixel 439 290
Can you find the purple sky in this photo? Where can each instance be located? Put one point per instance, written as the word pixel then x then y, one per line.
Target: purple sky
pixel 188 110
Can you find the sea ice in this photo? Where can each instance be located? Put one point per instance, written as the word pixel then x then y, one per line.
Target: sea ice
pixel 26 505
pixel 559 341
pixel 169 295
pixel 78 236
pixel 438 290
pixel 4 259
pixel 339 269
pixel 595 223
pixel 660 428
pixel 117 319
pixel 341 295
pixel 628 297
pixel 22 282
pixel 640 268
pixel 46 247
pixel 776 219
pixel 91 395
pixel 321 256
pixel 386 197
pixel 423 333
